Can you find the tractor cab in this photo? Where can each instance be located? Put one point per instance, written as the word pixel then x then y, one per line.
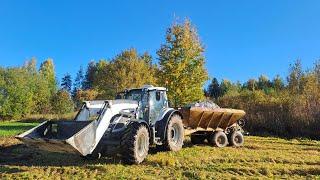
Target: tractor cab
pixel 152 101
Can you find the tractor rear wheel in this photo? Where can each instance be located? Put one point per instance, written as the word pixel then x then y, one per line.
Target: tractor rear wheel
pixel 135 143
pixel 175 134
pixel 218 139
pixel 236 139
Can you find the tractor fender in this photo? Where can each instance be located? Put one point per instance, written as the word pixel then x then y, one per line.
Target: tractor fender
pixel 161 124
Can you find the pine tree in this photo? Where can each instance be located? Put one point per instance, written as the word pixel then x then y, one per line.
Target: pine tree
pixel 214 89
pixel 78 82
pixel 182 64
pixel 66 83
pixel 89 76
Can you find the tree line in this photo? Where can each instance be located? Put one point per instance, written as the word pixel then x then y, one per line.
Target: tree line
pixel 280 107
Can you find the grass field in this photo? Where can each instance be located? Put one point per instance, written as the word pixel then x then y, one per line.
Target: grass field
pixel 8 129
pixel 261 157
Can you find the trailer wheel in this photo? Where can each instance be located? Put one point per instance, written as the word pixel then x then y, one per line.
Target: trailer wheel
pixel 197 139
pixel 236 139
pixel 218 139
pixel 175 134
pixel 135 143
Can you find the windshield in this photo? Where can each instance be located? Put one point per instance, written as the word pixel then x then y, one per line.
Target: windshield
pixel 134 95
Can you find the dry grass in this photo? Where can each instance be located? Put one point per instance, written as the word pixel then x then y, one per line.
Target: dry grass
pixel 261 157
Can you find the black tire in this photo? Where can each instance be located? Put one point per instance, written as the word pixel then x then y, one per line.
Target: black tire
pixel 175 135
pixel 218 139
pixel 135 143
pixel 236 139
pixel 197 139
pixel 93 156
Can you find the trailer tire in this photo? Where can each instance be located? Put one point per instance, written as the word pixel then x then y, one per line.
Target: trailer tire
pixel 135 143
pixel 174 134
pixel 218 139
pixel 236 139
pixel 197 139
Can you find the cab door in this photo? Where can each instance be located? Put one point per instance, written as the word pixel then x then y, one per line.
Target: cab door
pixel 156 104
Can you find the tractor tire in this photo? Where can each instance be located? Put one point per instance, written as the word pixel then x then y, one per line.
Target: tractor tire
pixel 236 139
pixel 218 139
pixel 175 135
pixel 197 139
pixel 135 144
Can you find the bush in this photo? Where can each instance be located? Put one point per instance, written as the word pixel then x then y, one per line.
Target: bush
pixel 283 114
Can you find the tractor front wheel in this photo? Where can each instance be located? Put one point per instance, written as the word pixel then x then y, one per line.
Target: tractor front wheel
pixel 135 143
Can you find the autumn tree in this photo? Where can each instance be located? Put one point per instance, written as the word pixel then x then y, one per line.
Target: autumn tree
pixel 316 70
pixel 263 82
pixel 62 102
pixel 251 84
pixel 127 70
pixel 16 94
pixel 48 72
pixel 85 95
pixel 40 88
pixel 278 83
pixel 295 76
pixel 182 64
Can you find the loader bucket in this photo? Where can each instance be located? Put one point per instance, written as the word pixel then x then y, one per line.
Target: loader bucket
pixel 53 135
pixel 210 119
pixel 81 135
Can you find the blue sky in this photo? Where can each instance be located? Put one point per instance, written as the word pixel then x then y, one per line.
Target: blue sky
pixel 243 39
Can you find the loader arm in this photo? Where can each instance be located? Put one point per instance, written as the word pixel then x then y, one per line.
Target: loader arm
pixel 80 135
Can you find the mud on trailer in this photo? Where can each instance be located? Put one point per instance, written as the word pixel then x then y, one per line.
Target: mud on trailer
pixel 130 125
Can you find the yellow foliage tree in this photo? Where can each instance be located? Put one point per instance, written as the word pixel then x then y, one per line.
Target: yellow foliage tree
pixel 126 70
pixel 182 64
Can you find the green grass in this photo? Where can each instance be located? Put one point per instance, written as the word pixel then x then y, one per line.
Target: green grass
pixel 11 128
pixel 260 158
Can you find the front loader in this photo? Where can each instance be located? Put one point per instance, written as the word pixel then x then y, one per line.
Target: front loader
pixel 125 126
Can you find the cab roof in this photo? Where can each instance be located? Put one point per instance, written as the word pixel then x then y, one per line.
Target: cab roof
pixel 150 87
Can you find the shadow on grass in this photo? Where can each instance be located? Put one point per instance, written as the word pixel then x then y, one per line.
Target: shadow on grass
pixel 22 155
pixel 8 170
